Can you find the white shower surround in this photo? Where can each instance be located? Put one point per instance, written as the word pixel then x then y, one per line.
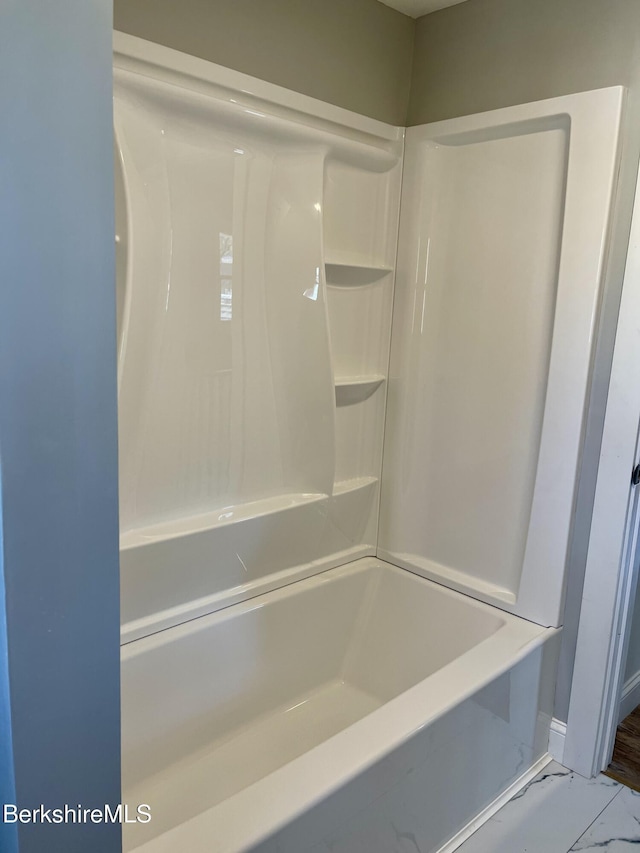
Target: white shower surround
pixel 312 191
pixel 251 385
pixel 527 192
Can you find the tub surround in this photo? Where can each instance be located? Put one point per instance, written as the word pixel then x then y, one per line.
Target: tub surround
pixel 500 267
pixel 284 689
pixel 257 236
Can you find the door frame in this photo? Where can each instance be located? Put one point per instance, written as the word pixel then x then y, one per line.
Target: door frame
pixel 611 566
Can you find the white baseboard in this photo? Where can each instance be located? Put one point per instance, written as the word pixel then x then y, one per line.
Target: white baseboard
pixel 557 735
pixel 630 698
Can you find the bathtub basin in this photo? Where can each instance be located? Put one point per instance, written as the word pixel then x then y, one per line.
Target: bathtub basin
pixel 364 709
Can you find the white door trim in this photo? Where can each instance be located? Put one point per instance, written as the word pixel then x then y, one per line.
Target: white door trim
pixel 610 574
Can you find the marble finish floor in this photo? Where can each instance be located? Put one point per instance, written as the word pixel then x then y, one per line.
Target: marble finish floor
pixel 559 812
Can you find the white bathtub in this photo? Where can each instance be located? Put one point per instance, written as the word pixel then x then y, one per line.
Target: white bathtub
pixel 363 710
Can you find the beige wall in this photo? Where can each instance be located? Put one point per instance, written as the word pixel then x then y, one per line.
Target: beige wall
pixel 355 54
pixel 485 54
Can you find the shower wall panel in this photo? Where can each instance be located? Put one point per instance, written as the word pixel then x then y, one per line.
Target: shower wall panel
pixel 225 392
pixel 502 237
pixel 252 365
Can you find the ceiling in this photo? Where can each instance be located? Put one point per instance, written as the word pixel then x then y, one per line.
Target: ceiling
pixel 416 8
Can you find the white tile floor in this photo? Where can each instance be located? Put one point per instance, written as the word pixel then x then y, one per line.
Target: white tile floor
pixel 560 811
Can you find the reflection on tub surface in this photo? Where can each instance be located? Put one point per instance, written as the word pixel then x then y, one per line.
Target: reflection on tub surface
pixel 213 706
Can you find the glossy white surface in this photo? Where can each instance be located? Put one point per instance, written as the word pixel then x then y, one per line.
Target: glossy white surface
pixel 236 200
pixel 502 239
pixel 239 722
pixel 225 393
pixel 176 571
pixel 191 73
pixel 360 320
pixel 356 389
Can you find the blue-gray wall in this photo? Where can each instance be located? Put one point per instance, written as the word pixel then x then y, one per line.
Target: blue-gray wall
pixel 8 833
pixel 59 671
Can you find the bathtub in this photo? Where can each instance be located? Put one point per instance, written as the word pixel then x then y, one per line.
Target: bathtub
pixel 362 710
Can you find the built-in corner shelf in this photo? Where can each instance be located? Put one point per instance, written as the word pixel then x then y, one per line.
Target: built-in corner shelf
pixel 354 275
pixel 356 389
pixel 355 484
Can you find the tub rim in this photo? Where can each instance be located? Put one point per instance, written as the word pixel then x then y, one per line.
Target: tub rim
pixel 255 813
